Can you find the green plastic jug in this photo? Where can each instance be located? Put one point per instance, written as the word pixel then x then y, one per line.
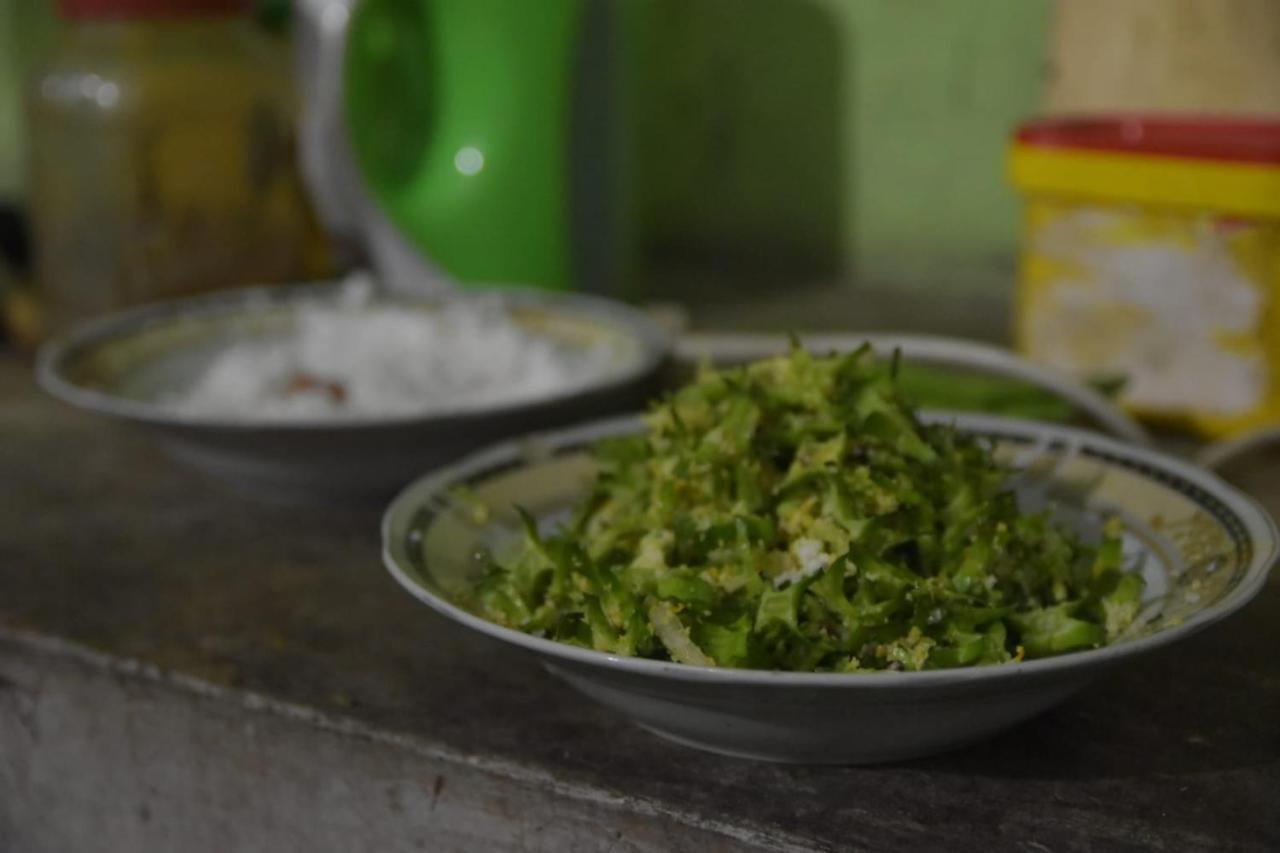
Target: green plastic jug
pixel 466 124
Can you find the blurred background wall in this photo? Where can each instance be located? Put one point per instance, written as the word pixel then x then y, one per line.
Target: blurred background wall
pixel 776 140
pixel 861 138
pixel 853 140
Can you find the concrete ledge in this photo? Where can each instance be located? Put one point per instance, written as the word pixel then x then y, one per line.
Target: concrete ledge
pixel 107 754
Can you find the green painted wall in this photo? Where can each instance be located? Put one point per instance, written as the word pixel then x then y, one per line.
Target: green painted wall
pixel 860 135
pixel 741 133
pixel 936 89
pixel 26 29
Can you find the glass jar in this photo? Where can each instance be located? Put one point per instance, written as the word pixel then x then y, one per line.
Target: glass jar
pixel 161 158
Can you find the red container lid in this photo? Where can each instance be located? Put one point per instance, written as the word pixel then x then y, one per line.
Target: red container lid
pixel 92 10
pixel 1235 139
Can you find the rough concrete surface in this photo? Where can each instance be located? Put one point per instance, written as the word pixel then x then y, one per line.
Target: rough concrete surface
pixel 109 755
pixel 181 669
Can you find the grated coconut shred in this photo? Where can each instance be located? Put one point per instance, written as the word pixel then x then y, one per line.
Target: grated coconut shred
pixel 354 358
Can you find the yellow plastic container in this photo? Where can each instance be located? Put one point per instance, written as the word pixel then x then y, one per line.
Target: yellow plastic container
pixel 1152 252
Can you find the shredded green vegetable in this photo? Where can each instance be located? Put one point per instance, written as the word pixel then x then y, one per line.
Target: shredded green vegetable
pixel 794 514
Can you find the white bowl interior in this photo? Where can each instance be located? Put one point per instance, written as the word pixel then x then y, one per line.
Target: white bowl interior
pixel 130 363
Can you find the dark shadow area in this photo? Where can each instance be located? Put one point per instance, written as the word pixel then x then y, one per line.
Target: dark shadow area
pixel 739 141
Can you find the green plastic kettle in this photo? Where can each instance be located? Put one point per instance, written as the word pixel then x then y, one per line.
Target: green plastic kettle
pixel 471 141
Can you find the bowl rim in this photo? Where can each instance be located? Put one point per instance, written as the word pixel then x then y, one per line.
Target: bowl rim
pixel 1259 526
pixel 54 356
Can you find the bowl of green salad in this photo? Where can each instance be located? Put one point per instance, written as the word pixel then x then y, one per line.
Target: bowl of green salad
pixel 785 560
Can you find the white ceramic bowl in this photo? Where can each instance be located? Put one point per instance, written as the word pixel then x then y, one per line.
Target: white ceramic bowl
pixel 1206 550
pixel 123 366
pixel 957 354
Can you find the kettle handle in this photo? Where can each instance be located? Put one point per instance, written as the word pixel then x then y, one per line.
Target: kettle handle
pixel 328 167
